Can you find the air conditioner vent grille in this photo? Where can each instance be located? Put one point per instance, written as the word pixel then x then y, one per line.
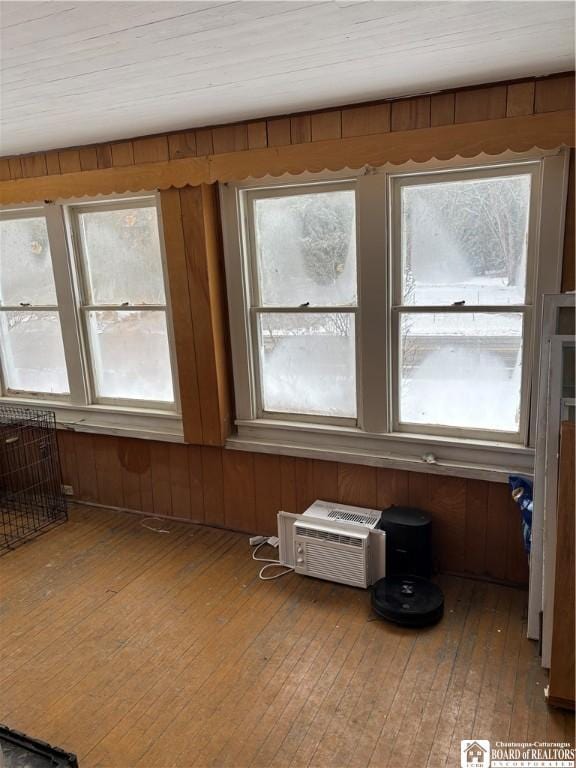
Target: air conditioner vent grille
pixel 342 565
pixel 351 517
pixel 336 538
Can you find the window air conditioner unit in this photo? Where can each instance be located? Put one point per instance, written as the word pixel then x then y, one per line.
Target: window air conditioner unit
pixel 335 542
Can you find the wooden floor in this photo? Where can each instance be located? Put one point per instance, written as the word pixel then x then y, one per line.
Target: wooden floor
pixel 137 648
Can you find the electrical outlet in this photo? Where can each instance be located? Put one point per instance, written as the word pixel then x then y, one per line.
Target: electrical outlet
pixel 68 490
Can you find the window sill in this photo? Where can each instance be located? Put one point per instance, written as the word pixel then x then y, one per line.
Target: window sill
pixel 455 457
pixel 109 420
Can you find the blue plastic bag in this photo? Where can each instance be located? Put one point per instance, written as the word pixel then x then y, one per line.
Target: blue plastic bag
pixel 522 495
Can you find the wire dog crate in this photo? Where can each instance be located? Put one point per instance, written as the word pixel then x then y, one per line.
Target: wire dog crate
pixel 31 497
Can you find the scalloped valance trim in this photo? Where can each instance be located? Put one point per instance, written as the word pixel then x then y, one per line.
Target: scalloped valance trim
pixel 490 137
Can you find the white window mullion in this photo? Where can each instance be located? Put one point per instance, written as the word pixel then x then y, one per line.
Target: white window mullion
pixel 373 332
pixel 69 320
pixel 237 278
pixel 548 212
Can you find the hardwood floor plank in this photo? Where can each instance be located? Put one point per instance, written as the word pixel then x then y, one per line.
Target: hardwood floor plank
pixel 450 706
pixel 284 683
pixel 515 637
pixel 135 648
pixel 424 739
pixel 292 737
pixel 413 693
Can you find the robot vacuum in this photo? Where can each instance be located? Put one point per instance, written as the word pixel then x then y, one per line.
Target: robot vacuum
pixel 410 601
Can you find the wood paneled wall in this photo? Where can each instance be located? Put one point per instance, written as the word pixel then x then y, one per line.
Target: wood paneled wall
pixel 487 102
pixel 482 103
pixel 476 523
pixel 198 301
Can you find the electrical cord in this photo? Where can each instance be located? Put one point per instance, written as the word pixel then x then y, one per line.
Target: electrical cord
pixel 270 564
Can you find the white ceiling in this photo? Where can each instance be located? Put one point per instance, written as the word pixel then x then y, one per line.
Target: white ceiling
pixel 81 72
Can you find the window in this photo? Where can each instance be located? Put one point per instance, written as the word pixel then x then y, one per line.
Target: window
pixel 30 329
pixel 462 300
pixel 304 301
pixel 393 311
pixel 123 303
pixel 83 310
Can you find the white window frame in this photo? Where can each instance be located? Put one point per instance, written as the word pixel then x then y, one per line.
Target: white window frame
pixel 377 438
pixel 32 212
pixel 82 409
pixel 256 308
pixel 396 183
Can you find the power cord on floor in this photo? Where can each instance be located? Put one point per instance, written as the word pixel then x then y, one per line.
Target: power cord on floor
pixel 272 541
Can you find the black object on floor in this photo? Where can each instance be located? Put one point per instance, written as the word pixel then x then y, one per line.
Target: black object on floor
pixel 408 600
pixel 408 541
pixel 20 751
pixel 31 497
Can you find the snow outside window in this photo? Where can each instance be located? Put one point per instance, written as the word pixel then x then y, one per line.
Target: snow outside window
pixel 32 350
pixel 304 302
pixel 83 309
pixel 393 303
pixel 462 258
pixel 124 303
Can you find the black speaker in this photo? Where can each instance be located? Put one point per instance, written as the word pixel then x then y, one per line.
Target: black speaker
pixel 408 541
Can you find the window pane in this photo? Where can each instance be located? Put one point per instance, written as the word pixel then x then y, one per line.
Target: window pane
pixel 25 265
pixel 306 249
pixel 130 355
pixel 461 370
pixel 308 363
pixel 465 241
pixel 122 256
pixel 32 352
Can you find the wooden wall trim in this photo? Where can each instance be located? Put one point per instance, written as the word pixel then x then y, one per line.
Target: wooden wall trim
pixel 194 258
pixel 181 308
pixel 491 137
pixel 218 304
pixel 528 96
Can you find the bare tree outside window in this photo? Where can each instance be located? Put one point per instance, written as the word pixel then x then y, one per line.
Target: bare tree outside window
pixel 463 243
pixel 306 258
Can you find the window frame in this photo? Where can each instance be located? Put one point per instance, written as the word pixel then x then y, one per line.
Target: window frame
pixel 33 212
pixel 255 307
pixel 105 414
pixel 84 307
pixel 376 438
pixel 396 182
